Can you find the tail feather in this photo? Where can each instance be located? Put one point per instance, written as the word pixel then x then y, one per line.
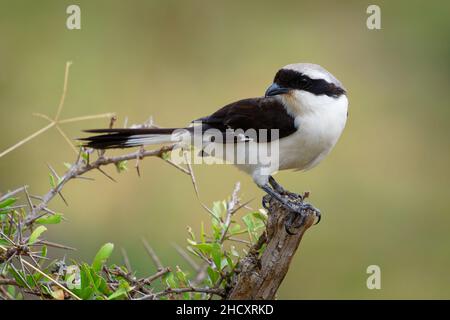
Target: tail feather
pixel 128 137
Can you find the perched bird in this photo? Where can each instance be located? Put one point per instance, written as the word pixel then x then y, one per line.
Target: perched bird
pixel 305 105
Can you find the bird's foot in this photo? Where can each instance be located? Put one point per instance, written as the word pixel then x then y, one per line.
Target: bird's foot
pixel 289 196
pixel 266 201
pixel 297 215
pixel 294 203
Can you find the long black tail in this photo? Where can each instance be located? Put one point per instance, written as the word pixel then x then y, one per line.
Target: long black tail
pixel 128 137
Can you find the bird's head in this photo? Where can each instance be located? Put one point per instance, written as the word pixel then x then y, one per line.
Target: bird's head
pixel 307 85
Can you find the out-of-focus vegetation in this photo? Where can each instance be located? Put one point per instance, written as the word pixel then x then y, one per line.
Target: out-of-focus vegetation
pixel 27 271
pixel 383 191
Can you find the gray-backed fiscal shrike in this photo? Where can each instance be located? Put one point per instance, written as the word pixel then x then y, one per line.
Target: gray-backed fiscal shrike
pixel 305 104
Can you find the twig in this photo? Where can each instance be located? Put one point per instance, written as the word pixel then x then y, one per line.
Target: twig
pixel 55 245
pixel 219 292
pixel 63 95
pixel 197 193
pixel 234 201
pixel 55 122
pixel 11 282
pixel 157 275
pixel 126 260
pixel 81 168
pixel 12 193
pixel 187 257
pixel 52 280
pixel 152 254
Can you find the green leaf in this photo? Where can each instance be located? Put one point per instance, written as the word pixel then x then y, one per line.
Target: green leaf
pixel 204 247
pixel 102 286
pixel 121 166
pixel 249 222
pixel 191 250
pixel 235 229
pixel 85 156
pixel 216 254
pixel 36 233
pixel 43 254
pixel 119 293
pixel 230 262
pixel 165 155
pixel 18 277
pixel 181 276
pixel 186 296
pixel 213 275
pixel 53 219
pixel 261 215
pixel 52 181
pixel 191 242
pixel 102 255
pixel 67 165
pixel 87 284
pixel 218 209
pixel 217 232
pixel 44 251
pixel 11 290
pixel 170 280
pixel 30 281
pixel 7 202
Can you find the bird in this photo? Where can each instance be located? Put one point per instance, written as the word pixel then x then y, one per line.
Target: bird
pixel 306 106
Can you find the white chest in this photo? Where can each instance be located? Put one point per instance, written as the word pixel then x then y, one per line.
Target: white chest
pixel 320 121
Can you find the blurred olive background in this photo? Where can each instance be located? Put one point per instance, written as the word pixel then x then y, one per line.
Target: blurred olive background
pixel 384 190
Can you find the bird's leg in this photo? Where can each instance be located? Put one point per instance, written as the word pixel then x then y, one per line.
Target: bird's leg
pixel 295 206
pixel 278 188
pixel 290 205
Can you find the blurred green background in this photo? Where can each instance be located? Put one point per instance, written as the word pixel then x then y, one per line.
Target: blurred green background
pixel 384 191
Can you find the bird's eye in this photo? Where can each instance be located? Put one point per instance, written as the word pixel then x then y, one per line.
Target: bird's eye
pixel 304 82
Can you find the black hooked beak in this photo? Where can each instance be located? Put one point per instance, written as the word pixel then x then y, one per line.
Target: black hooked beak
pixel 275 89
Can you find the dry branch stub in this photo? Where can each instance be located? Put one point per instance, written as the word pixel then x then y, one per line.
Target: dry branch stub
pixel 259 276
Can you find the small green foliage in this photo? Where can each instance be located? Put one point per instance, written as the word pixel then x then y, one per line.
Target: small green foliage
pixel 170 280
pixel 53 219
pixel 85 156
pixel 52 181
pixel 254 222
pixel 122 166
pixel 7 202
pixel 36 234
pixel 121 292
pixel 102 255
pixel 213 248
pixel 213 275
pixel 165 155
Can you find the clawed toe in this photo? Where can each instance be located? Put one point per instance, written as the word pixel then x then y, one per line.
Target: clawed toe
pixel 266 201
pixel 297 216
pixel 294 196
pixel 298 210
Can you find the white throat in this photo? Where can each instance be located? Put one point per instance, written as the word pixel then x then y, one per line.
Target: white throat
pixel 319 120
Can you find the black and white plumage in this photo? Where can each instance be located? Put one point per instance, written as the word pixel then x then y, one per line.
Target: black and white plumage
pixel 306 103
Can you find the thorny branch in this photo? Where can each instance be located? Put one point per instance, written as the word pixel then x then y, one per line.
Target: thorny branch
pixel 258 275
pixel 56 121
pixel 82 166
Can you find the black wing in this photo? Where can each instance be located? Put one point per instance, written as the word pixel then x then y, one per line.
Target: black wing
pixel 254 113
